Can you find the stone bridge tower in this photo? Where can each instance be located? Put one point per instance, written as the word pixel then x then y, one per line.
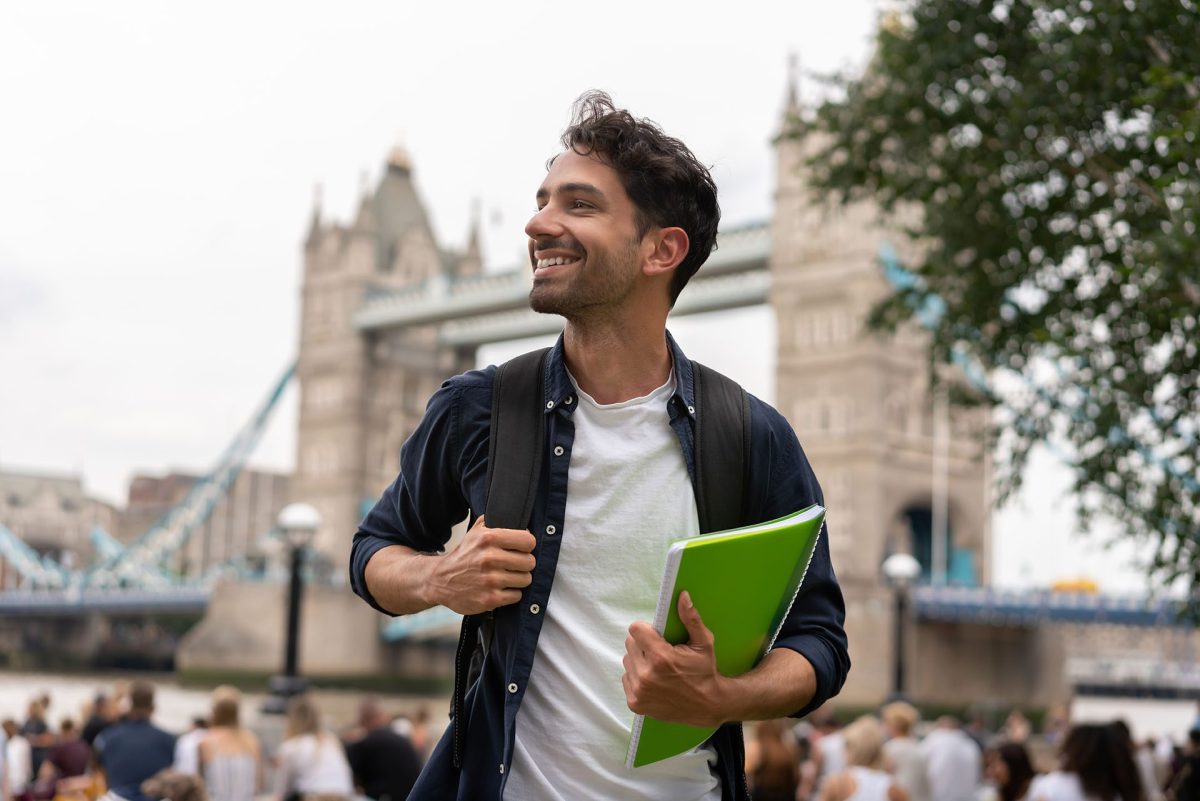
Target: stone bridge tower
pixel 861 404
pixel 362 395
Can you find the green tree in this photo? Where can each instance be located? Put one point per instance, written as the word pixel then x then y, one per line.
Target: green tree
pixel 1050 155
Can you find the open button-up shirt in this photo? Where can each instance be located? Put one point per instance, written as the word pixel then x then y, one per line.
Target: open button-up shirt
pixel 443 479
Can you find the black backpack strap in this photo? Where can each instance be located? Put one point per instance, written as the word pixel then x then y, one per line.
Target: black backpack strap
pixel 722 450
pixel 515 446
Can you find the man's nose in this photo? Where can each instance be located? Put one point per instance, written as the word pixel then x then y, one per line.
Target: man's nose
pixel 543 223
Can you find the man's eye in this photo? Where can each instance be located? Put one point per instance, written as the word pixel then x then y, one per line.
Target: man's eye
pixel 579 204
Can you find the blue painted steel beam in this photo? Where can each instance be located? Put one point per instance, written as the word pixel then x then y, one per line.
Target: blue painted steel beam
pixel 76 601
pixel 1035 607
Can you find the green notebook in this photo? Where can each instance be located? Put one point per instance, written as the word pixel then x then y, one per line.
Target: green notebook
pixel 742 582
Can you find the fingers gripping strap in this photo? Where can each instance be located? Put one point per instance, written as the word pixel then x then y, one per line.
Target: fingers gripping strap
pixel 515 444
pixel 722 448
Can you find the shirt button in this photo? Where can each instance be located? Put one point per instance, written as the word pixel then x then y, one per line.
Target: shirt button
pixel 501 768
pixel 558 450
pixel 549 404
pixel 569 400
pixel 691 410
pixel 550 529
pixel 534 609
pixel 512 688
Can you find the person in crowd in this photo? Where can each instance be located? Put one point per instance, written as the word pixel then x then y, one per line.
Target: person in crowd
pixel 1143 760
pixel 806 758
pixel 36 730
pixel 419 736
pixel 134 749
pixel 310 761
pixel 101 717
pixel 1185 785
pixel 1017 728
pixel 171 785
pixel 187 747
pixel 70 757
pixel 1056 724
pixel 384 763
pixel 1010 770
pixel 864 778
pixel 230 754
pixel 18 760
pixel 903 753
pixel 772 763
pixel 955 762
pixel 1095 765
pixel 830 747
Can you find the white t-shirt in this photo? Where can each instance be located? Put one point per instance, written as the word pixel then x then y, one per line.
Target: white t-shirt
pixel 311 764
pixel 954 765
pixel 1058 786
pixel 628 496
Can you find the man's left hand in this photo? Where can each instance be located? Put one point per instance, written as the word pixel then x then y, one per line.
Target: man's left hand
pixel 674 683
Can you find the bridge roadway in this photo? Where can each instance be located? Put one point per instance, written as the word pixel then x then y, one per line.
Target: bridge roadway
pixel 75 601
pixel 489 308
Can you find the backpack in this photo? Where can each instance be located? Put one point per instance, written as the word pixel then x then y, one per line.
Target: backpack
pixel 515 451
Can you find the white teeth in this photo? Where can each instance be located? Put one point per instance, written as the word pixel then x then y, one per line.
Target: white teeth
pixel 557 260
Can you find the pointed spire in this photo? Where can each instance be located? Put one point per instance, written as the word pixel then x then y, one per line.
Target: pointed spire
pixel 473 235
pixel 792 107
pixel 399 158
pixel 314 225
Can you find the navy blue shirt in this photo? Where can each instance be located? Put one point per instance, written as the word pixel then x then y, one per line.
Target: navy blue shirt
pixel 131 752
pixel 443 479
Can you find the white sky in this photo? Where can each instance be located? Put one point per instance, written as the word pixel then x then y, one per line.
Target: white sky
pixel 157 167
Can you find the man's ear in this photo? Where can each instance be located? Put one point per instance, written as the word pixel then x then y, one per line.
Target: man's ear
pixel 669 247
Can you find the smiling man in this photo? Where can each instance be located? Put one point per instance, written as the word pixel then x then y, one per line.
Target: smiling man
pixel 625 216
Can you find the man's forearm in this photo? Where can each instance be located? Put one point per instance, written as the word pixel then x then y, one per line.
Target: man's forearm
pixel 783 682
pixel 398 579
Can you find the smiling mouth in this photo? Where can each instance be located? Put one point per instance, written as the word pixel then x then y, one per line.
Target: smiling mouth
pixel 544 266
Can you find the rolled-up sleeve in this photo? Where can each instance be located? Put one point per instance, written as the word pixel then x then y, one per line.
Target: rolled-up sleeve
pixel 815 625
pixel 425 500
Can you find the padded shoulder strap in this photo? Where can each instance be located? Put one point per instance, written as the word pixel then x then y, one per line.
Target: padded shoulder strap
pixel 514 466
pixel 515 445
pixel 722 450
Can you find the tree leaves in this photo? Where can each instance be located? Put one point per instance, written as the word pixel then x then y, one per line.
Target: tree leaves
pixel 1050 150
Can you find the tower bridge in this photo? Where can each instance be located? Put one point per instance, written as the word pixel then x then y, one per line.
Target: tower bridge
pixel 387 314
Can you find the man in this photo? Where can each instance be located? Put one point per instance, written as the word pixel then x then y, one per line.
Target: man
pixel 626 215
pixel 101 717
pixel 385 763
pixel 134 749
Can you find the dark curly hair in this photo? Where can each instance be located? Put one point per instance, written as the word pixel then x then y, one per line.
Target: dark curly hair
pixel 667 184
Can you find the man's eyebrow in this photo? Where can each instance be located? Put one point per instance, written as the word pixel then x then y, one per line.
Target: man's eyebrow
pixel 575 187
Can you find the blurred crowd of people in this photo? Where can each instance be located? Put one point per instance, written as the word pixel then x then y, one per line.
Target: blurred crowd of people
pixel 121 754
pixel 895 756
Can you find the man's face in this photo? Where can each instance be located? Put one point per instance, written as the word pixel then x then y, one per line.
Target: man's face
pixel 583 240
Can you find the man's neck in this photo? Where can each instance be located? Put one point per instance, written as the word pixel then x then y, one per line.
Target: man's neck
pixel 615 361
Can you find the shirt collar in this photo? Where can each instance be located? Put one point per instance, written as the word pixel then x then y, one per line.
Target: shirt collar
pixel 561 392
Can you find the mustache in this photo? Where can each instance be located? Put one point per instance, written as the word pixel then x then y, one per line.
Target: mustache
pixel 563 243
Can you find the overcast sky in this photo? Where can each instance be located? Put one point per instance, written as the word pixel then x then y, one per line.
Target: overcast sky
pixel 157 173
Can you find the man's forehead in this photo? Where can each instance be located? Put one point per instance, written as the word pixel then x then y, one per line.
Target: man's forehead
pixel 574 169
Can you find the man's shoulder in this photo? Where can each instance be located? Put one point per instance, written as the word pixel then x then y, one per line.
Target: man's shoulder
pixel 481 378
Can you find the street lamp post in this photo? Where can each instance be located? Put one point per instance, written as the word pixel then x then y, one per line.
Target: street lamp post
pixel 900 570
pixel 297 524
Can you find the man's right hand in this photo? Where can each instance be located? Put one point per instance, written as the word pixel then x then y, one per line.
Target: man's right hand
pixel 488 569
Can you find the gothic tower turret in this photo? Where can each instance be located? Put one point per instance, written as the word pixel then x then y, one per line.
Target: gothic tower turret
pixel 861 406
